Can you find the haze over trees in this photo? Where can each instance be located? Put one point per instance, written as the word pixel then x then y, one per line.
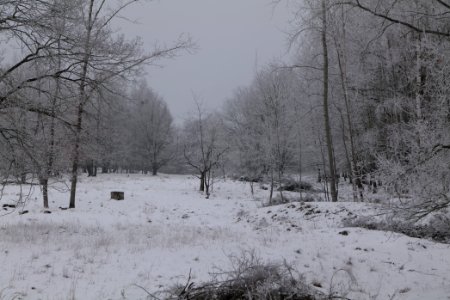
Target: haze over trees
pixel 152 123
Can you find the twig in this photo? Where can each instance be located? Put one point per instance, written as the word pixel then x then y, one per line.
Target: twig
pixel 148 293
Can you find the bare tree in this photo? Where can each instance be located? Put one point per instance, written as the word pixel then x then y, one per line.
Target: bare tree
pixel 154 131
pixel 245 135
pixel 329 139
pixel 31 85
pixel 399 12
pixel 204 147
pixel 277 119
pixel 263 122
pixel 104 56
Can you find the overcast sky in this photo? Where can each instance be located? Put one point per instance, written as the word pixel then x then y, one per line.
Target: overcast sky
pixel 233 37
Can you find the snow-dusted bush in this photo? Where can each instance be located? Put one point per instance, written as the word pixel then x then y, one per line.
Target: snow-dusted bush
pixel 249 278
pixel 277 200
pixel 437 228
pixel 295 186
pixel 288 198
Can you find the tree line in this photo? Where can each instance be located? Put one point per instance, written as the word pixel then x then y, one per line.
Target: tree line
pixel 62 69
pixel 365 94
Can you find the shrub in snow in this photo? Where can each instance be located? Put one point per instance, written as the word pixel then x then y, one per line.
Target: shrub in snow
pixel 437 228
pixel 295 186
pixel 278 200
pixel 288 198
pixel 249 278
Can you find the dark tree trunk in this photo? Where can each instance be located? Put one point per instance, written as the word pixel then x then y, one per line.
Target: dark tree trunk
pixel 23 178
pixel 279 185
pixel 208 183
pixel 329 141
pixel 90 168
pixel 105 168
pixel 51 153
pixel 76 157
pixel 271 187
pixel 44 183
pixel 342 62
pixel 82 100
pixel 202 181
pixel 94 169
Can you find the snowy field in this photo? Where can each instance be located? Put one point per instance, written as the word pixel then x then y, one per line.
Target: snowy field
pixel 165 229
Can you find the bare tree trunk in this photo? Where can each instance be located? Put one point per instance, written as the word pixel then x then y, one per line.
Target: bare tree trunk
pixel 344 142
pixel 50 158
pixel 342 62
pixel 208 183
pixel 325 175
pixel 76 155
pixel 300 190
pixel 51 153
pixel 350 161
pixel 202 181
pixel 154 163
pixel 333 187
pixel 82 100
pixel 105 167
pixel 321 179
pixel 419 88
pixel 280 175
pixel 271 187
pixel 90 167
pixel 44 183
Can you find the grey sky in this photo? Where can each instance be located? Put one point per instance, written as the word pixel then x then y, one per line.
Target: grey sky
pixel 231 35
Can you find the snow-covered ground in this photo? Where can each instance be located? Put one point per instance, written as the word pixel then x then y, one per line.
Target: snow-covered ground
pixel 164 229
